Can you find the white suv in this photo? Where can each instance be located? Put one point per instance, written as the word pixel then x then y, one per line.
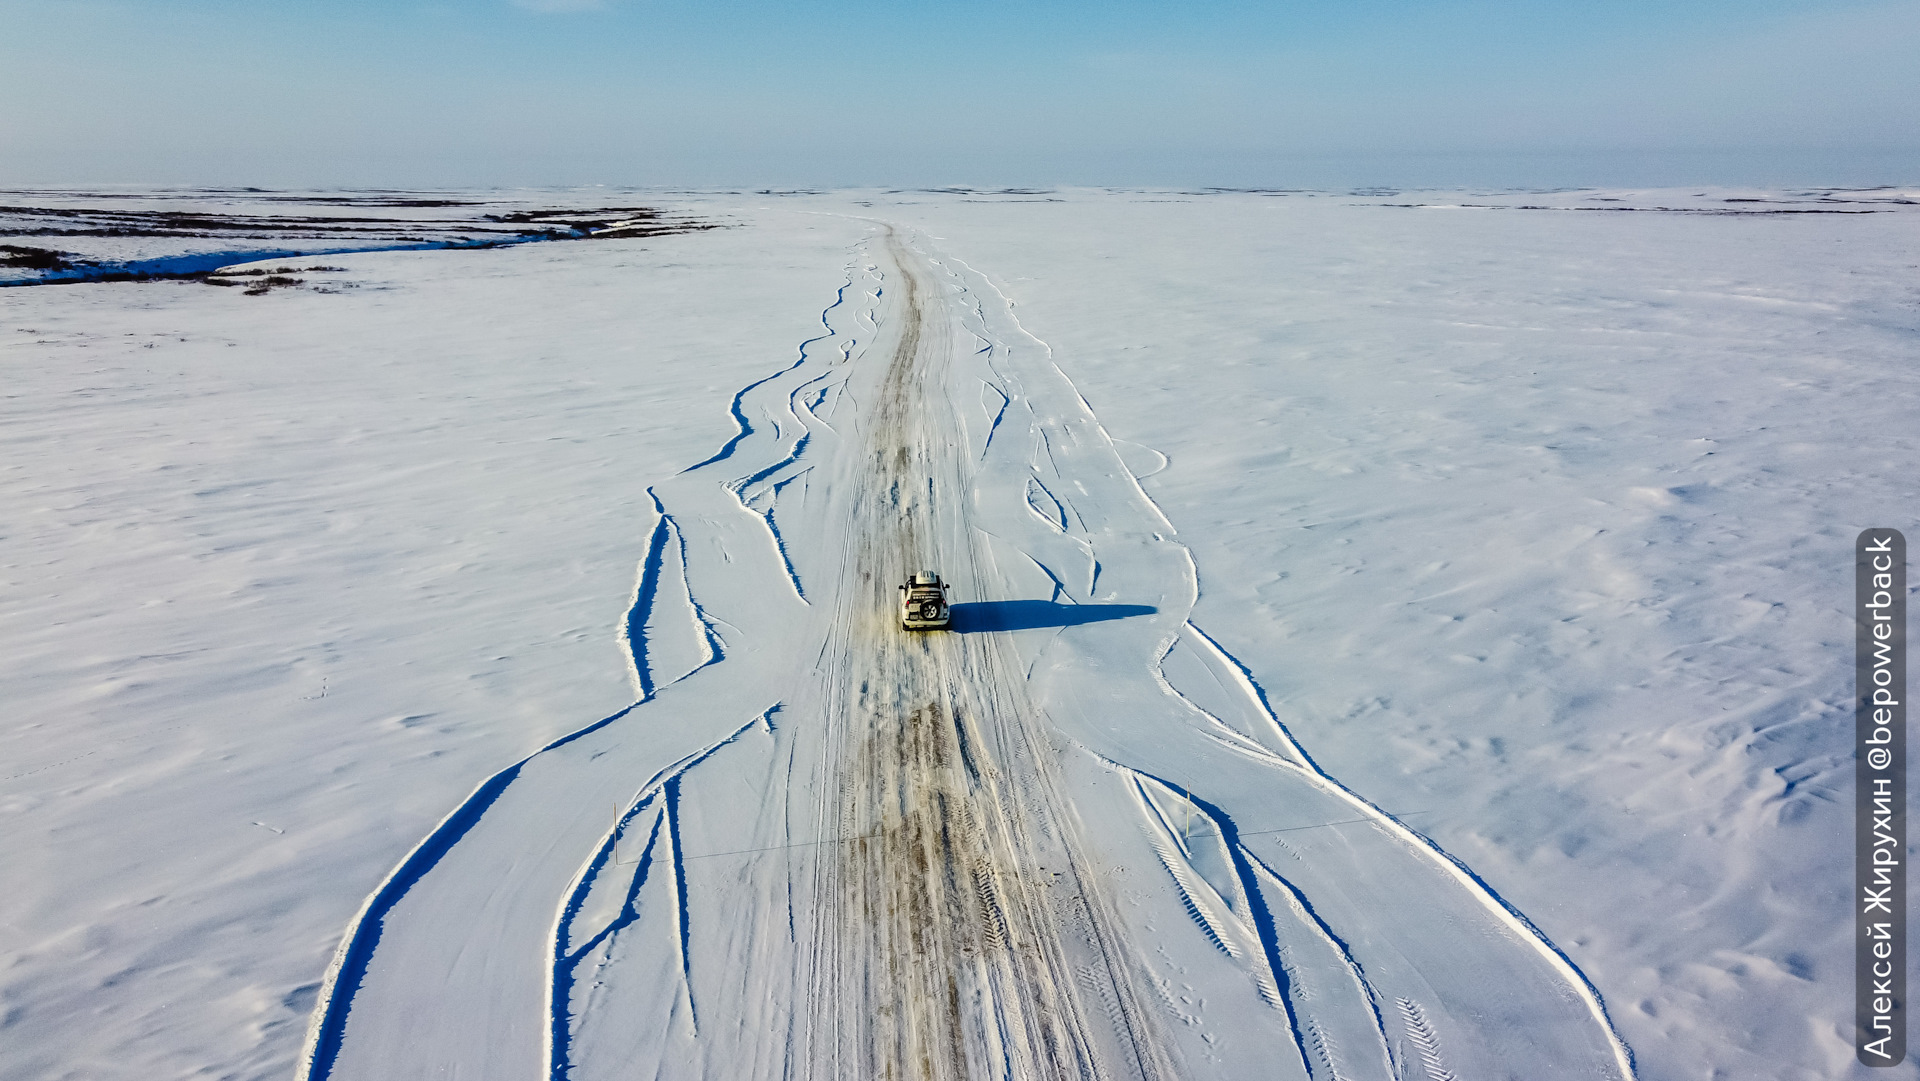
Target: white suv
pixel 923 603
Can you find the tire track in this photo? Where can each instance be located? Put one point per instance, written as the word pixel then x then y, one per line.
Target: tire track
pixel 1425 1042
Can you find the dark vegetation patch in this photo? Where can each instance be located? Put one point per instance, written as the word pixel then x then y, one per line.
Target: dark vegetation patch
pixel 34 258
pixel 260 280
pixel 259 273
pixel 273 281
pixel 247 227
pixel 350 200
pixel 508 226
pixel 608 212
pixel 76 221
pixel 601 223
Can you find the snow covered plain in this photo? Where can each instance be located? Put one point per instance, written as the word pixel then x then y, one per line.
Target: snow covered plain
pixel 1401 635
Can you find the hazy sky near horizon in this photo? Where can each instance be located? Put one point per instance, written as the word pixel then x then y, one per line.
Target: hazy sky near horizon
pixel 903 92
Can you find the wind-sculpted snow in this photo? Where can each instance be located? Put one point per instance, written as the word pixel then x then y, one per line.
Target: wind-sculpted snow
pixel 1070 838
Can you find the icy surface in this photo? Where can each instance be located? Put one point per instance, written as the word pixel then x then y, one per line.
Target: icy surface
pixel 1397 635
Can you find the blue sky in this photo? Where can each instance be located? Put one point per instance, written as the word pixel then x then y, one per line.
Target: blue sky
pixel 758 93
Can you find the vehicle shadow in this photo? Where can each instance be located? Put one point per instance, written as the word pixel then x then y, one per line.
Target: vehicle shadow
pixel 976 617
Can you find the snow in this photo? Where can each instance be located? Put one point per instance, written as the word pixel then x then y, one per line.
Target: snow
pixel 321 565
pixel 1419 638
pixel 1536 523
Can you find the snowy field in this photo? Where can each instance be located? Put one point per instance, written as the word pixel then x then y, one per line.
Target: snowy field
pixel 1398 635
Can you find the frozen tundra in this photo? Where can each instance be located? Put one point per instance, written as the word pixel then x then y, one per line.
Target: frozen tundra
pixel 923 603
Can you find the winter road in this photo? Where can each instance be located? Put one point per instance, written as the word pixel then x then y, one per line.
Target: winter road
pixel 1057 842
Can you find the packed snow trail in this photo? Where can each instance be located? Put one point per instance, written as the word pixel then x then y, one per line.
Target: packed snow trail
pixel 1068 839
pixel 959 932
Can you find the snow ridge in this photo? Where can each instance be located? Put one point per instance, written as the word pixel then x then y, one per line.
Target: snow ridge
pixel 665 630
pixel 660 795
pixel 349 965
pixel 744 427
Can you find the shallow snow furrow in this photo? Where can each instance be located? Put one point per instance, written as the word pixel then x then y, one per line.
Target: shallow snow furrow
pixel 742 424
pixel 681 918
pixel 646 587
pixel 665 634
pixel 1255 694
pixel 1043 504
pixel 770 496
pixel 657 802
pixel 1224 732
pixel 1069 515
pixel 821 387
pixel 761 476
pixel 1252 943
pixel 335 1000
pixel 713 645
pixel 1491 901
pixel 573 914
pixel 744 427
pixel 363 935
pixel 1346 980
pixel 1246 932
pixel 993 401
pixel 1059 588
